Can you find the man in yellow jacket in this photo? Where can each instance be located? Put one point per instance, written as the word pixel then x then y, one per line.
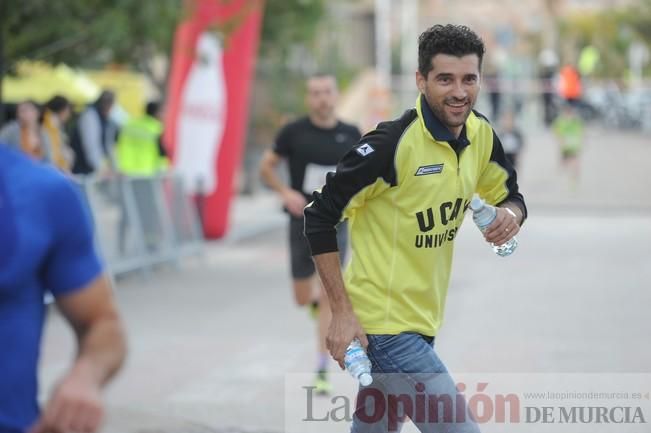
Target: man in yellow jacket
pixel 404 190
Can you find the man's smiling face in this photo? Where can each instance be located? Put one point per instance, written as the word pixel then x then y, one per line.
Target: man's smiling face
pixel 451 88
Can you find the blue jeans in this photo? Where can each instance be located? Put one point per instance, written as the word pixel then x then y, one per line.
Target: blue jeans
pixel 409 380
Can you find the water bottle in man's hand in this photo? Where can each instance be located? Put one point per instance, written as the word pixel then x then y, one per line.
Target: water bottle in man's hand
pixel 483 215
pixel 357 363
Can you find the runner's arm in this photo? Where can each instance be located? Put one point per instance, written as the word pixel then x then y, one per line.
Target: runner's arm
pixel 363 173
pixel 498 185
pixel 293 200
pixel 73 274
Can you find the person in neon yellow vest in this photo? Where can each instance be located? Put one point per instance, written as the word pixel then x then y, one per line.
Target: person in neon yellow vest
pixel 139 150
pixel 140 155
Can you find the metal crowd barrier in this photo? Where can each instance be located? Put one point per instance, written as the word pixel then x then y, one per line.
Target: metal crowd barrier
pixel 142 221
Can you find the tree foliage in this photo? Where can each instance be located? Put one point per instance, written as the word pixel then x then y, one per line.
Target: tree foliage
pixel 92 32
pixel 612 31
pixel 89 32
pixel 639 17
pixel 289 32
pixel 289 22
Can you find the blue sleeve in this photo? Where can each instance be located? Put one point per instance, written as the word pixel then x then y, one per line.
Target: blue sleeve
pixel 72 262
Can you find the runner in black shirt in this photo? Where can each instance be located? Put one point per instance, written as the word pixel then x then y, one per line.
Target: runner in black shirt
pixel 312 147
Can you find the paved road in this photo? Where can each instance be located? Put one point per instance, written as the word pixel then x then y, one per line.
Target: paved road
pixel 214 343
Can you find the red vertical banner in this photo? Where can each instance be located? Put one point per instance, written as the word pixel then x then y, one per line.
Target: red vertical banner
pixel 211 73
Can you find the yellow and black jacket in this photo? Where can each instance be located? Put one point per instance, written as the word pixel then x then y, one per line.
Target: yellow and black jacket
pixel 404 189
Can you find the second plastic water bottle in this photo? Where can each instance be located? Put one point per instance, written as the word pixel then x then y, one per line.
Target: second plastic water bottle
pixel 357 363
pixel 483 215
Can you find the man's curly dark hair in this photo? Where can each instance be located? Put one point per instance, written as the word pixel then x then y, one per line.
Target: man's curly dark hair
pixel 455 40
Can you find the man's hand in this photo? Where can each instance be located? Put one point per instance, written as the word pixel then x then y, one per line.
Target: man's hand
pixel 75 405
pixel 294 201
pixel 503 228
pixel 344 327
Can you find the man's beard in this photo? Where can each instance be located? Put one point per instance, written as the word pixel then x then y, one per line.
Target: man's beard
pixel 449 121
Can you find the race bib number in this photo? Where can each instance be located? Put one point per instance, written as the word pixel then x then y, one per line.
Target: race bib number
pixel 315 176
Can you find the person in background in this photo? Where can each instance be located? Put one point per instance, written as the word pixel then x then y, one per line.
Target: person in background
pixel 493 86
pixel 569 131
pixel 548 69
pixel 58 111
pixel 512 138
pixel 94 138
pixel 139 149
pixel 570 86
pixel 312 146
pixel 140 155
pixel 25 133
pixel 46 246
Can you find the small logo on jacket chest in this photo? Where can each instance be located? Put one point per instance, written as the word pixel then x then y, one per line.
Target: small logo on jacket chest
pixel 424 170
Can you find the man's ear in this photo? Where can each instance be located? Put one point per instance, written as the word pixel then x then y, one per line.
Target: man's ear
pixel 421 82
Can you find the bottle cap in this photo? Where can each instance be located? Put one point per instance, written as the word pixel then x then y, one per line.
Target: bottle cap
pixel 476 203
pixel 365 379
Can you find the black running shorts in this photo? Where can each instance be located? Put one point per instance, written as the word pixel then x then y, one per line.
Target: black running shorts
pixel 299 249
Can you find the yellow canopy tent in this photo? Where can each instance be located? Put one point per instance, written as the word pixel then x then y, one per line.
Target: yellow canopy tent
pixel 40 81
pixel 130 87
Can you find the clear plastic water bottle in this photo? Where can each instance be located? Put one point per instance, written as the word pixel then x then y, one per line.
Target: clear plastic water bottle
pixel 483 215
pixel 357 363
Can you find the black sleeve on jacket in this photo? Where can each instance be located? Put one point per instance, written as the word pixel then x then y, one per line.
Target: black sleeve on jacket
pixel 370 160
pixel 514 196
